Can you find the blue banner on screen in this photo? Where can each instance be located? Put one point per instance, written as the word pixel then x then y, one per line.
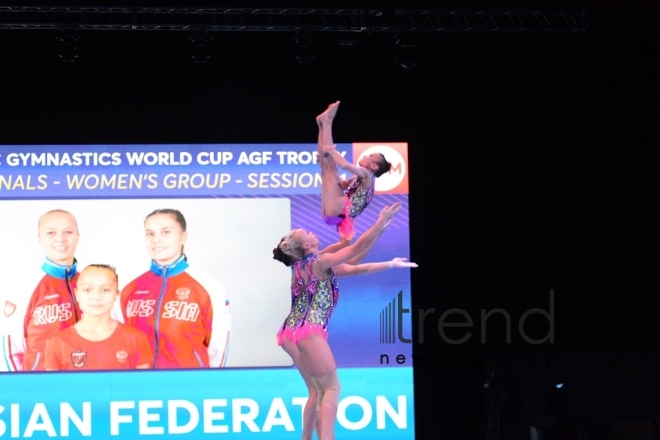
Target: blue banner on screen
pixel 238 202
pixel 168 170
pixel 377 403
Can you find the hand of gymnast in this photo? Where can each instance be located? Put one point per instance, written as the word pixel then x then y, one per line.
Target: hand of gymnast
pixel 388 213
pixel 328 148
pixel 401 263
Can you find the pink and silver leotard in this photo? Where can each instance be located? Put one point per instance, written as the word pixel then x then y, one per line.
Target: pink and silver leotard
pixel 299 305
pixel 357 200
pixel 323 297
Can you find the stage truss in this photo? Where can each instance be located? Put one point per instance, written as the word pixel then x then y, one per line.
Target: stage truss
pixel 289 19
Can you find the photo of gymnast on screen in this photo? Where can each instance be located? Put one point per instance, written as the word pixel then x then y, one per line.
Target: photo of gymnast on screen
pixel 178 303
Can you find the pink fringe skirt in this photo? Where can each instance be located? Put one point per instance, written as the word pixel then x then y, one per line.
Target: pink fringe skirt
pixel 307 330
pixel 286 334
pixel 344 223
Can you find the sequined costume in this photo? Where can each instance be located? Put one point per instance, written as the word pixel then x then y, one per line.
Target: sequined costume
pixel 323 297
pixel 299 305
pixel 357 200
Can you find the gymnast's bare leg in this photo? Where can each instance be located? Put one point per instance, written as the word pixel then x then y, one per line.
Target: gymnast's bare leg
pixel 332 192
pixel 310 418
pixel 321 363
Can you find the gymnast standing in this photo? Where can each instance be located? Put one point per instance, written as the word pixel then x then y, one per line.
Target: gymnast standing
pixel 314 295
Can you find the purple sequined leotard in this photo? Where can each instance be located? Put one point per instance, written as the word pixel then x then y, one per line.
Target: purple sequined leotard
pixel 299 305
pixel 357 200
pixel 323 297
pixel 360 198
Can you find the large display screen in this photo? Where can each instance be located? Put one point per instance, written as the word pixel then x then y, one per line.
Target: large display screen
pixel 238 202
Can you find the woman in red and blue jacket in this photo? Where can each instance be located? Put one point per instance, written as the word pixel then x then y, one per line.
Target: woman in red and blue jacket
pixel 185 313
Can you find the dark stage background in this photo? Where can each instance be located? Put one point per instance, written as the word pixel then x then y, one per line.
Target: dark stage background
pixel 530 171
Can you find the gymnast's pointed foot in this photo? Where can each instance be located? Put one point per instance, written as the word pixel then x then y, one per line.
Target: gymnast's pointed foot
pixel 328 115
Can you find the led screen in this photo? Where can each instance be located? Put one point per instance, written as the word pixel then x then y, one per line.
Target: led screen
pixel 238 202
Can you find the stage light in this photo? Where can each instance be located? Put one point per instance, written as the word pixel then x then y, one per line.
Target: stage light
pixel 405 51
pixel 559 385
pixel 199 46
pixel 68 45
pixel 304 47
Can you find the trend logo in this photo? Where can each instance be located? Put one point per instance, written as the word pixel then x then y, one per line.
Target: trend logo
pixel 391 321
